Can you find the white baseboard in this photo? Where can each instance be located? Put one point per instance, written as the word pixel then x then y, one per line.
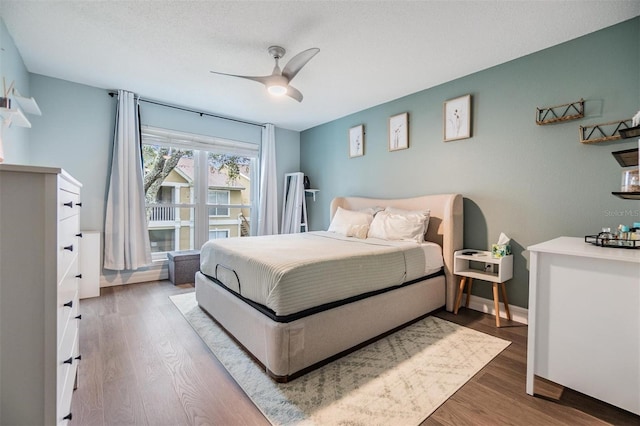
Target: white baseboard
pixel 156 272
pixel 481 304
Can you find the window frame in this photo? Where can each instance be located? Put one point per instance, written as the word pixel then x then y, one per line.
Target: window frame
pixel 201 145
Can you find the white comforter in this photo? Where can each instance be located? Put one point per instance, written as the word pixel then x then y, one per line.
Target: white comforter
pixel 292 272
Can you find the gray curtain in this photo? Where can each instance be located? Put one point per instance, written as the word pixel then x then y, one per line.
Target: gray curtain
pixel 126 239
pixel 268 196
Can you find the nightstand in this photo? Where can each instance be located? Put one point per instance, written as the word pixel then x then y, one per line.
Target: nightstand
pixel 470 264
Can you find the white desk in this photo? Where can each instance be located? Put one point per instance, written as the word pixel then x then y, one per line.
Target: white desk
pixel 584 320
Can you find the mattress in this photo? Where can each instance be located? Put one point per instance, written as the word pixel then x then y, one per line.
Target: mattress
pixel 294 272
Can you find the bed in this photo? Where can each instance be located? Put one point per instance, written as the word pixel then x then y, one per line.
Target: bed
pixel 328 311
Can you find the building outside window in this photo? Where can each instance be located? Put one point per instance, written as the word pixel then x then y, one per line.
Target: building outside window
pixel 193 195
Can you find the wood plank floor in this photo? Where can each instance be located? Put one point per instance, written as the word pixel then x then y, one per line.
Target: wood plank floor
pixel 142 364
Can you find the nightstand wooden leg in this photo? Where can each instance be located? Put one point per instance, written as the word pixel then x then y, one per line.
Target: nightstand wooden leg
pixel 459 296
pixel 496 303
pixel 503 290
pixel 466 305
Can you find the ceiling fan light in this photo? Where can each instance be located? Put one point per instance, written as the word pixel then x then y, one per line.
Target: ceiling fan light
pixel 277 90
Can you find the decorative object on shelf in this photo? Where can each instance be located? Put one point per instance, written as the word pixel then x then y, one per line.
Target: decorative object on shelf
pixel 399 132
pixel 558 113
pixel 457 118
pixel 306 182
pixel 605 131
pixel 630 180
pixel 502 248
pixel 356 141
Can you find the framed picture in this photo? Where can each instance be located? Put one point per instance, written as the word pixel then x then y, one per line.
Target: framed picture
pixel 356 141
pixel 399 132
pixel 457 118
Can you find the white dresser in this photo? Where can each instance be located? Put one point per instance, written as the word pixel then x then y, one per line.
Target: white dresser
pixel 584 320
pixel 39 240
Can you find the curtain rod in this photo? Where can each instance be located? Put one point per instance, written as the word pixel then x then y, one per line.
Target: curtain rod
pixel 112 94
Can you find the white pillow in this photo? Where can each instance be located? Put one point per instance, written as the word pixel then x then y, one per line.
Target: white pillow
pixel 395 226
pixel 372 210
pixel 415 214
pixel 350 223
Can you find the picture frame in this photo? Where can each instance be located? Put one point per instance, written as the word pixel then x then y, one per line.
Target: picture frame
pixel 399 132
pixel 457 118
pixel 356 141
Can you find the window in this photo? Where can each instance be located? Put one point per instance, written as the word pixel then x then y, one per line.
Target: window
pixel 196 188
pixel 218 197
pixel 218 233
pixel 162 240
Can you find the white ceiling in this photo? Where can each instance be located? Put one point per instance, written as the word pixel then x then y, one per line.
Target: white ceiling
pixel 371 52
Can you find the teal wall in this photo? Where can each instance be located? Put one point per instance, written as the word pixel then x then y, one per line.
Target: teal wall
pixel 75 132
pixel 532 182
pixel 15 139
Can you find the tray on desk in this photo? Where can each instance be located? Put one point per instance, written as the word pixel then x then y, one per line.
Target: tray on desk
pixel 597 240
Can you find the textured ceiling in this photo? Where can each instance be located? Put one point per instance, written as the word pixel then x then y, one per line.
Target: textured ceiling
pixel 370 51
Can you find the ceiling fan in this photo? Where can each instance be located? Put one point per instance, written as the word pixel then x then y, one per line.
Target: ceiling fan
pixel 278 82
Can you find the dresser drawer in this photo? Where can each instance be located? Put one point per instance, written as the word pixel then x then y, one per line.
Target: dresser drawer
pixel 68 243
pixel 68 291
pixel 66 379
pixel 67 339
pixel 68 204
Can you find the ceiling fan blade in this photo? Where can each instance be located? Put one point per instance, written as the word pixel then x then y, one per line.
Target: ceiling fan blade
pixel 294 93
pixel 259 79
pixel 297 62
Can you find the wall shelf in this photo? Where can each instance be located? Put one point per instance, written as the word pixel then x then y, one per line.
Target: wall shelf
pixel 14 116
pixel 603 132
pixel 631 132
pixel 627 157
pixel 312 192
pixel 558 113
pixel 28 105
pixel 627 195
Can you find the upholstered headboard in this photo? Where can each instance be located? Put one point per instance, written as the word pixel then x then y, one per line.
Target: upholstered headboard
pixel 445 224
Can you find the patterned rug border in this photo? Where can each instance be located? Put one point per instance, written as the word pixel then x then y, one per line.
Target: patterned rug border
pixel 400 379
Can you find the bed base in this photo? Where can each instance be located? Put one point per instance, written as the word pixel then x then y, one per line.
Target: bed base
pixel 288 350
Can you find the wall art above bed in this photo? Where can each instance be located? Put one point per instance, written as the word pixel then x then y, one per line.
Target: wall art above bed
pixel 356 141
pixel 399 132
pixel 457 118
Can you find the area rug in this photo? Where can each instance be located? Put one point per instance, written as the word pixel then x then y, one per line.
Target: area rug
pixel 398 380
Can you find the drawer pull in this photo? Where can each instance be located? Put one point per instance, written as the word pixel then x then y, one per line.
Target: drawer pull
pixel 79 204
pixel 79 235
pixel 68 361
pixel 69 204
pixel 69 304
pixel 79 358
pixel 70 247
pixel 67 417
pixel 79 276
pixel 79 317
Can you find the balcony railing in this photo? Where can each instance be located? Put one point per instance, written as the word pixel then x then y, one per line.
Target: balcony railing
pixel 162 213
